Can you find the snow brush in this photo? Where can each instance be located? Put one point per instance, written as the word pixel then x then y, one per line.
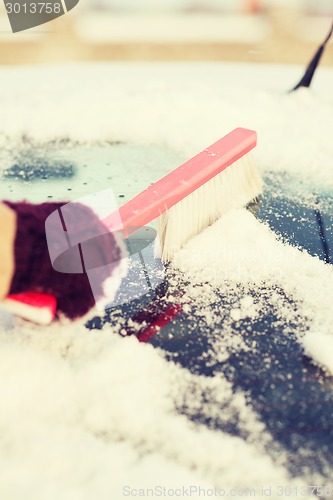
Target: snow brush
pixel 194 195
pixel 184 202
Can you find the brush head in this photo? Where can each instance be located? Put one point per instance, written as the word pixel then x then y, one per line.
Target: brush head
pixel 234 187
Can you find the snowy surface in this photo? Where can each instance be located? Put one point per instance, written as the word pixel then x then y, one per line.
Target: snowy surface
pixel 319 347
pixel 86 413
pixel 238 250
pixel 181 106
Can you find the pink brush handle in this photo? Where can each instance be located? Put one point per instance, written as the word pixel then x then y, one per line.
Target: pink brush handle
pixel 161 196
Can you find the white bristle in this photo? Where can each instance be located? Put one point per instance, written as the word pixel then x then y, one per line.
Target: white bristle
pixel 234 187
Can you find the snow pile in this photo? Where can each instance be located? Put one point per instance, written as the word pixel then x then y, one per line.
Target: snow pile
pixel 90 413
pixel 319 347
pixel 238 250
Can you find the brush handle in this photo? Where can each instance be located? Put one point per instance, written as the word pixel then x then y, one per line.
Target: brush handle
pixel 161 196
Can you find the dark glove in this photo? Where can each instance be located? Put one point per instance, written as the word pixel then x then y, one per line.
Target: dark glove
pixel 33 267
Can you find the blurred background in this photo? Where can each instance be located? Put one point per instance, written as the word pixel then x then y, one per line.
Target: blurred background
pixel 276 31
